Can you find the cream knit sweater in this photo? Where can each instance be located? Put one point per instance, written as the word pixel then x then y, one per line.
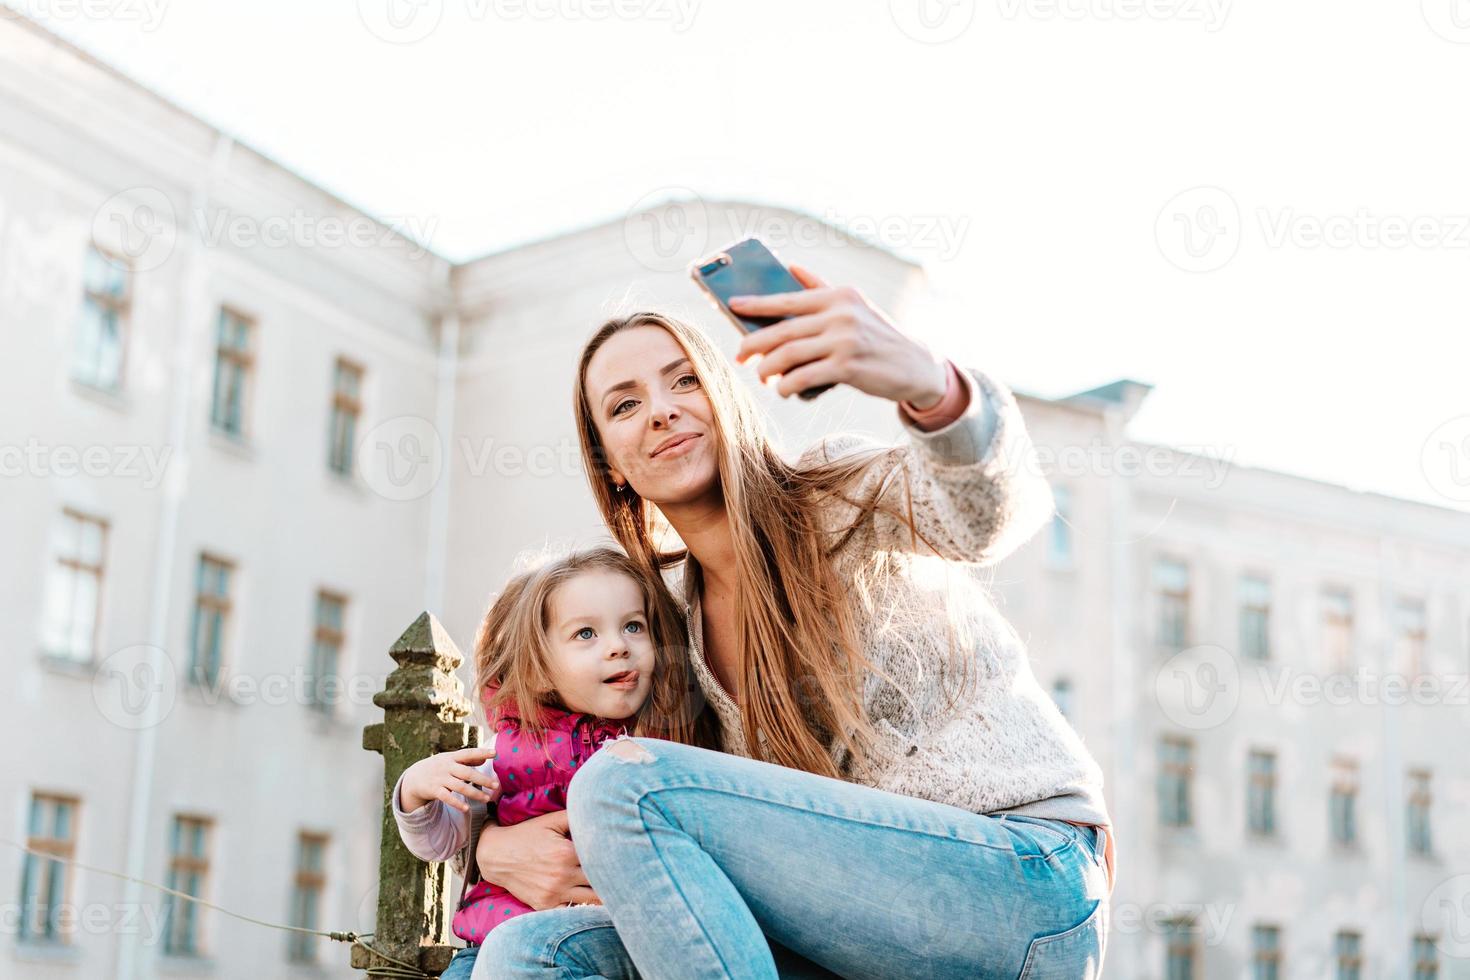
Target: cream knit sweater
pixel 925 618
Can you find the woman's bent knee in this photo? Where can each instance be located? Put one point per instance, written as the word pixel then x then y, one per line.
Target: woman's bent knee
pixel 510 950
pixel 604 779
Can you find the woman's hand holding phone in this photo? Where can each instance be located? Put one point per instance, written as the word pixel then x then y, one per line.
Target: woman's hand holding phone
pixel 834 335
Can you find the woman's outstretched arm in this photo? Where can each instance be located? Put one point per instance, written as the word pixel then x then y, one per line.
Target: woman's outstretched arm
pixel 970 489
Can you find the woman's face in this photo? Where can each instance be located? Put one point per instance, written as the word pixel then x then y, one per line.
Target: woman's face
pixel 652 416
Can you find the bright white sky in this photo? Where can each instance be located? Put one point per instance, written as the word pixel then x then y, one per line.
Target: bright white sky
pixel 1049 136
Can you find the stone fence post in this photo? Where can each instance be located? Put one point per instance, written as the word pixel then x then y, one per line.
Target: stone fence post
pixel 424 711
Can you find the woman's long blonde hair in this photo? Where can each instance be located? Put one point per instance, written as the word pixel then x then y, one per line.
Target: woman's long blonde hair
pixel 794 621
pixel 512 652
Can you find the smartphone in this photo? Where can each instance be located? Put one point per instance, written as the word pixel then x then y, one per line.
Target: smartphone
pixel 748 268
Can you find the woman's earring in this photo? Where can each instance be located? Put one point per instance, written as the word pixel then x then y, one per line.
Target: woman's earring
pixel 620 486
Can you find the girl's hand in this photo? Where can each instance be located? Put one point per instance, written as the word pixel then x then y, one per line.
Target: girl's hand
pixel 836 335
pixel 440 776
pixel 535 861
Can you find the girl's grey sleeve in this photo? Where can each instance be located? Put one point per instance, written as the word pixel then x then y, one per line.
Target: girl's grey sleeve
pixel 433 832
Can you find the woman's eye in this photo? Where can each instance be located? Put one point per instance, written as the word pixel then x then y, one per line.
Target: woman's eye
pixel 687 377
pixel 635 626
pixel 585 633
pixel 621 405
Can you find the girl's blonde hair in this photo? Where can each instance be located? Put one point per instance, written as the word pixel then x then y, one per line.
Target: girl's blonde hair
pixel 794 621
pixel 512 651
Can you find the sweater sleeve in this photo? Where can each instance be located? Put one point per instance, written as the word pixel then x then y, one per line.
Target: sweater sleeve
pixel 972 489
pixel 433 832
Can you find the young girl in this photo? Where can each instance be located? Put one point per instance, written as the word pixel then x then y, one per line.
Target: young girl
pixel 576 652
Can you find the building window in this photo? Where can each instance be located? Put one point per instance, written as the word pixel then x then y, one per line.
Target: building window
pixel 1418 823
pixel 1061 695
pixel 74 592
pixel 1426 958
pixel 346 407
pixel 106 297
pixel 1171 583
pixel 1255 618
pixel 306 897
pixel 232 368
pixel 1181 949
pixel 1337 630
pixel 326 651
pixel 188 872
pixel 1059 538
pixel 1176 771
pixel 1261 793
pixel 1409 634
pixel 1344 802
pixel 1349 948
pixel 1265 953
pixel 211 617
pixel 45 884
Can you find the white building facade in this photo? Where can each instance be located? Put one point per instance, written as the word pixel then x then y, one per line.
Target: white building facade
pixel 249 432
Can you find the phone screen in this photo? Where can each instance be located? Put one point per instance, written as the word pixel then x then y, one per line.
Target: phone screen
pixel 746 269
pixel 749 269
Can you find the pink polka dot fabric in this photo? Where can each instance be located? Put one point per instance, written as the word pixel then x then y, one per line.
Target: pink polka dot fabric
pixel 534 775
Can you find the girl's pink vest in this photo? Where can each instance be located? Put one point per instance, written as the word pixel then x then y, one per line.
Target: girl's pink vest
pixel 533 780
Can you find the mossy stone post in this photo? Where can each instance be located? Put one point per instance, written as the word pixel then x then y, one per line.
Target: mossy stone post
pixel 424 711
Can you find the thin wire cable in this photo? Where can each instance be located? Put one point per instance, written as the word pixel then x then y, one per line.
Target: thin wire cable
pixel 401 969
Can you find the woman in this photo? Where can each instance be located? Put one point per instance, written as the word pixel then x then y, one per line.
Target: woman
pixel 896 797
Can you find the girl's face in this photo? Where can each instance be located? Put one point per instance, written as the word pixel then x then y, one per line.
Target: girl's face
pixel 652 415
pixel 602 656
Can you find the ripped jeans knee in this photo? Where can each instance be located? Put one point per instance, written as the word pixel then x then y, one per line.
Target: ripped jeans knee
pixel 629 750
pixel 605 791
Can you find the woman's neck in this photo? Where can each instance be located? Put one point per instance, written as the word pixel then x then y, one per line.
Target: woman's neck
pixel 704 527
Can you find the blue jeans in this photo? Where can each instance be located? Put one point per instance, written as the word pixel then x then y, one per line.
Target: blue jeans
pixel 462 965
pixel 714 866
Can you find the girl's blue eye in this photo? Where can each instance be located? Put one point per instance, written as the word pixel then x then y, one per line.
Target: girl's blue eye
pixel 585 629
pixel 635 626
pixel 618 410
pixel 687 377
